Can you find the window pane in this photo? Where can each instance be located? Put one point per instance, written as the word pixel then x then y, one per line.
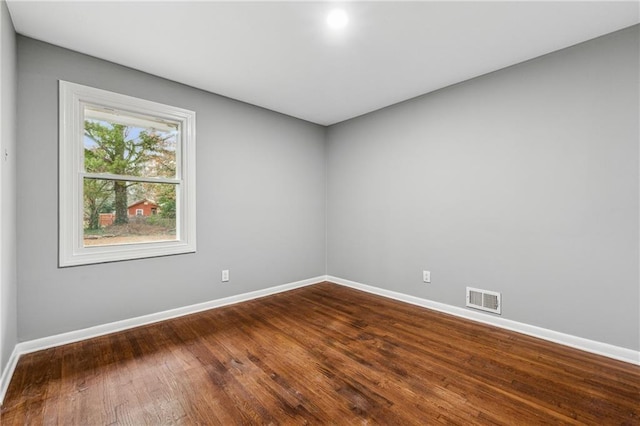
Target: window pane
pixel 108 138
pixel 119 212
pixel 125 144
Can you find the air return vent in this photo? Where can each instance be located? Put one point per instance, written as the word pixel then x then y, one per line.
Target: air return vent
pixel 485 300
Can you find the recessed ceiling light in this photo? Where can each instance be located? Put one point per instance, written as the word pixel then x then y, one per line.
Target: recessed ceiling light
pixel 337 19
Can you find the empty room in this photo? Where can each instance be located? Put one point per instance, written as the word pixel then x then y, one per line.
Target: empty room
pixel 319 212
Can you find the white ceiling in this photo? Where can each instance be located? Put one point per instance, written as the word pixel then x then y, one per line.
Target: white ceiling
pixel 282 55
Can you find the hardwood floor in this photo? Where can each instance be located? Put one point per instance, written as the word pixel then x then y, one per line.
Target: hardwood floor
pixel 322 354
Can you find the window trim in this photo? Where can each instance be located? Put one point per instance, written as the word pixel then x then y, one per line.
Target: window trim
pixel 72 251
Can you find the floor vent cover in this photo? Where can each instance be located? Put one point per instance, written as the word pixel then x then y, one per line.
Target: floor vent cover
pixel 485 300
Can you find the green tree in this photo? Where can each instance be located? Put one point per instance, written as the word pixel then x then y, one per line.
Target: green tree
pixel 122 150
pixel 97 194
pixel 167 201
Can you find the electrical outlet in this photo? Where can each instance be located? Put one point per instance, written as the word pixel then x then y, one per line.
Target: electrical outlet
pixel 426 276
pixel 225 275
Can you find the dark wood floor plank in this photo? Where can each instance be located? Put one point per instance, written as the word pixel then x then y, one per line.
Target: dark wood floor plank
pixel 374 362
pixel 495 360
pixel 279 369
pixel 365 372
pixel 322 354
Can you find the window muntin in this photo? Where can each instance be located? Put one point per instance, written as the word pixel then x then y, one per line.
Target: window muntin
pixel 116 150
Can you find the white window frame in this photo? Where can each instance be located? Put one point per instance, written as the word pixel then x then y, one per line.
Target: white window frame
pixel 73 98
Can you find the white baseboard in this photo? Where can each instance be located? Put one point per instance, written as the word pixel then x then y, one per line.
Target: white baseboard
pixel 113 327
pixel 7 373
pixel 605 349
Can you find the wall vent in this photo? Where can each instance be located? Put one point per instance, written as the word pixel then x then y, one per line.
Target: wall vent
pixel 485 300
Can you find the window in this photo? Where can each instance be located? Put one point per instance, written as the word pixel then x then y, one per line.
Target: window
pixel 127 177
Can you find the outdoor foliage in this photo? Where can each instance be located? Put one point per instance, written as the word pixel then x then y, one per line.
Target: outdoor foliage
pixel 129 151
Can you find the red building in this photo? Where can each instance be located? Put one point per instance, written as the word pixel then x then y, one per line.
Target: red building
pixel 143 208
pixel 106 219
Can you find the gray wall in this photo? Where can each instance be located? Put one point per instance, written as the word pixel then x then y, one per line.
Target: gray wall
pixel 8 85
pixel 260 202
pixel 523 181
